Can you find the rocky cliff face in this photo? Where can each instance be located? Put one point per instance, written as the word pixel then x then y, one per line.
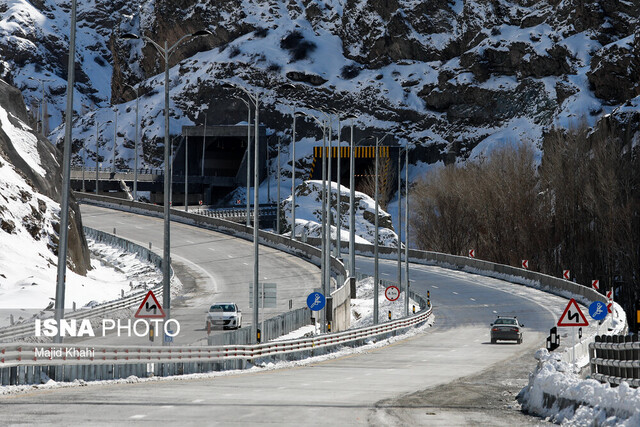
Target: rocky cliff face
pixel 451 78
pixel 32 176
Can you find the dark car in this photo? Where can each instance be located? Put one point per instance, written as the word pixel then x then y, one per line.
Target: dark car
pixel 506 328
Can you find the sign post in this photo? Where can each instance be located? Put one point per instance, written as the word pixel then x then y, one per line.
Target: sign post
pixel 316 301
pixel 392 293
pixel 573 316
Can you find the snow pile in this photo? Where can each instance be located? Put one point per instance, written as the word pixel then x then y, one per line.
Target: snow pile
pixel 362 307
pixel 32 288
pixel 554 390
pixel 309 215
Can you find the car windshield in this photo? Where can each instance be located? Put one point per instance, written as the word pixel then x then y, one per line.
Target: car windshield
pixel 222 307
pixel 505 322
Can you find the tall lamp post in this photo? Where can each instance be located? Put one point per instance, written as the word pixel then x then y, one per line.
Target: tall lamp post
pixel 136 143
pixel 324 267
pixel 248 104
pixel 41 116
pixel 98 149
pixel 375 247
pixel 256 215
pixel 406 230
pixel 351 192
pixel 352 204
pixel 115 138
pixel 166 256
pixel 66 178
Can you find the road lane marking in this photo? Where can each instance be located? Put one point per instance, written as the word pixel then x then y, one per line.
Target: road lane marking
pixel 472 299
pixel 211 249
pixel 435 287
pixel 198 401
pixel 167 406
pixel 189 241
pixel 385 274
pixel 137 417
pixel 455 292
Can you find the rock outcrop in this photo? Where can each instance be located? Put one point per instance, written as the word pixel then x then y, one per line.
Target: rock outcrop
pixel 44 178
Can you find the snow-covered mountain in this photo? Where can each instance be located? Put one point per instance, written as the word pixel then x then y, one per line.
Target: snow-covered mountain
pixel 451 79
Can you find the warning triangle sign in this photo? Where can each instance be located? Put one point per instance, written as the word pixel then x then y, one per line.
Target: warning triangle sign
pixel 572 315
pixel 150 308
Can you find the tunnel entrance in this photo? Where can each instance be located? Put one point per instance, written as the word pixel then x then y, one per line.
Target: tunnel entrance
pixel 215 162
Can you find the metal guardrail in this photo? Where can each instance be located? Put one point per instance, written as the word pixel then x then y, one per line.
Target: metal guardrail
pixel 21 330
pixel 615 359
pixel 21 364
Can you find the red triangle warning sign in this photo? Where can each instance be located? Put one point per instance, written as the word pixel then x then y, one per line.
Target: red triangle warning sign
pixel 150 309
pixel 572 316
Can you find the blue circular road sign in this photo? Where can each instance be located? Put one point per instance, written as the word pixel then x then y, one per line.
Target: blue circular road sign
pixel 316 301
pixel 598 310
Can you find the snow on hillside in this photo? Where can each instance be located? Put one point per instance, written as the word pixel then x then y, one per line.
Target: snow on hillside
pixel 28 242
pixel 309 214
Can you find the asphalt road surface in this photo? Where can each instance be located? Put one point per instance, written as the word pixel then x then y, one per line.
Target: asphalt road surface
pixel 449 375
pixel 213 267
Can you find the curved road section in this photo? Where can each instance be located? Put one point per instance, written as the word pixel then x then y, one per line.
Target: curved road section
pixel 448 375
pixel 213 267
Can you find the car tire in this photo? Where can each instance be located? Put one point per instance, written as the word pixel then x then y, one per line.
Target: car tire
pixel 520 341
pixel 493 340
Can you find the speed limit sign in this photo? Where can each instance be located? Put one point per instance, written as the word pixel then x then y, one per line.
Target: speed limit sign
pixel 392 293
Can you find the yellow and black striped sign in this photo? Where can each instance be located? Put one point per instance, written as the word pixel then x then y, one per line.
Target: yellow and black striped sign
pixel 345 152
pixel 360 152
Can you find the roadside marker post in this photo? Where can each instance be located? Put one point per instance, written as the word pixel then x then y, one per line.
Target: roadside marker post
pixel 595 284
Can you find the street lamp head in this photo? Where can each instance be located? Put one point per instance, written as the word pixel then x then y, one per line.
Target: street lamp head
pixel 301 114
pixel 349 116
pixel 130 36
pixel 201 33
pixel 227 85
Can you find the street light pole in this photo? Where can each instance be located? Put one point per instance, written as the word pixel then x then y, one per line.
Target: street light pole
pixel 406 230
pixel 256 211
pixel 248 222
pixel 399 224
pixel 135 156
pixel 375 247
pixel 98 149
pixel 166 257
pixel 186 173
pixel 41 116
pixel 338 226
pixel 352 204
pixel 115 139
pixel 278 192
pixel 66 175
pixel 324 265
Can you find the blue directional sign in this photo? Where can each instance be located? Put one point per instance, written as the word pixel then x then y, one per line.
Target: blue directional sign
pixel 598 310
pixel 316 301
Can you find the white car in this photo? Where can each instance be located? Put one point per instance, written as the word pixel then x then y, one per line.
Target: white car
pixel 225 314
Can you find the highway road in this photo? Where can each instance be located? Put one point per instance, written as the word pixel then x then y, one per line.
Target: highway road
pixel 448 375
pixel 213 267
